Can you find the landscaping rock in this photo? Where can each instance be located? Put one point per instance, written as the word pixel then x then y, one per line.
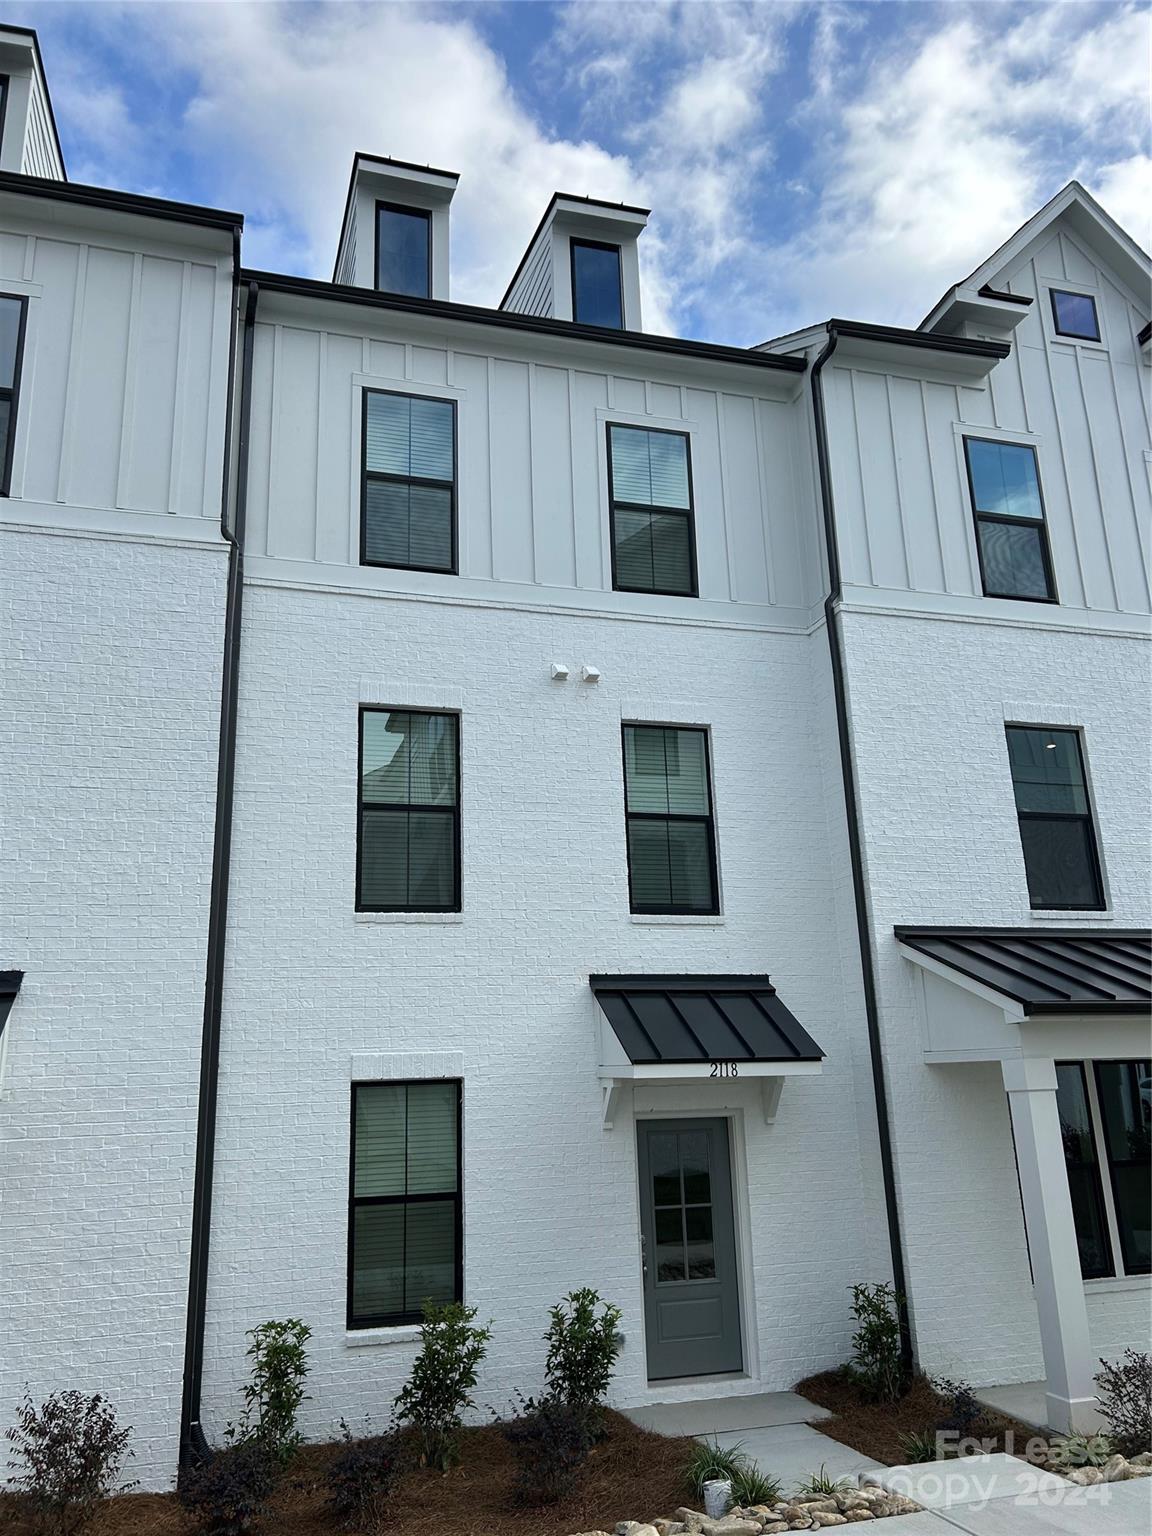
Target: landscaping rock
pixel 636 1528
pixel 775 1528
pixel 821 1504
pixel 729 1525
pixel 670 1527
pixel 857 1512
pixel 824 1517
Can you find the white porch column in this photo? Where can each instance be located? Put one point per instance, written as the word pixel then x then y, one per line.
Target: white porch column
pixel 1063 1315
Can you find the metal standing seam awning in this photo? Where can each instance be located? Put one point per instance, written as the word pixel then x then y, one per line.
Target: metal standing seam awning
pixel 673 1029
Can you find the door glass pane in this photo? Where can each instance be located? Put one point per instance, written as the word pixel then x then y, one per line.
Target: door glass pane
pixel 701 1252
pixel 1059 863
pixel 430 1252
pixel 1083 1171
pixel 669 1224
pixel 664 1167
pixel 1013 559
pixel 1047 773
pixel 10 310
pixel 377 1260
pixel 1125 1091
pixel 596 285
pixel 694 1160
pixel 379 1143
pixel 1004 478
pixel 403 240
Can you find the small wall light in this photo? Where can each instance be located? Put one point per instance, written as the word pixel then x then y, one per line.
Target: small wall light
pixel 559 672
pixel 590 674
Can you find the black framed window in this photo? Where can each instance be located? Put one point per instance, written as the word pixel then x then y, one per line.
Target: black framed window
pixel 403 250
pixel 13 317
pixel 408 490
pixel 1124 1093
pixel 404 1205
pixel 668 810
pixel 1056 831
pixel 1083 1166
pixel 1011 535
pixel 1074 314
pixel 653 523
pixel 597 284
pixel 408 844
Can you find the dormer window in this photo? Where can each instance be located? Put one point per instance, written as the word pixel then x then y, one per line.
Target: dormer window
pixel 1074 314
pixel 403 250
pixel 597 289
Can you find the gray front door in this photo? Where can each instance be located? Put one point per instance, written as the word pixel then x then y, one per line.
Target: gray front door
pixel 691 1294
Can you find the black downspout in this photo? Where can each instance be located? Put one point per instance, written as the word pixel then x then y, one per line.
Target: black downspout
pixel 192 1441
pixel 852 813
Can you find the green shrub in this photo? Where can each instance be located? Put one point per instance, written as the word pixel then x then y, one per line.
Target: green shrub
pixel 67 1455
pixel 919 1445
pixel 820 1485
pixel 876 1365
pixel 583 1341
pixel 751 1486
pixel 964 1411
pixel 551 1440
pixel 227 1494
pixel 276 1390
pixel 443 1374
pixel 359 1479
pixel 1079 1451
pixel 1124 1392
pixel 709 1461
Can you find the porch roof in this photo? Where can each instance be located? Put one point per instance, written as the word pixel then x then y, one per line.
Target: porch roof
pixel 1045 971
pixel 666 1020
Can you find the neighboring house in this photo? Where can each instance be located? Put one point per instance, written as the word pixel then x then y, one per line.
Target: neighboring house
pixel 680 813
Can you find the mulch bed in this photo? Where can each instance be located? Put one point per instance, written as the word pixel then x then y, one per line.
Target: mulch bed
pixel 875 1428
pixel 631 1473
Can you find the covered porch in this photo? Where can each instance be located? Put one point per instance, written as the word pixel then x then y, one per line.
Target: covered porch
pixel 1065 1013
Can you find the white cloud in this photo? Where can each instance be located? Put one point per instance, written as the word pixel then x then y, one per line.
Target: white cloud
pixel 1125 190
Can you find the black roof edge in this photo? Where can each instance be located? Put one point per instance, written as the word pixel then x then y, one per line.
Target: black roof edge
pixel 570 197
pixel 1021 931
pixel 928 341
pixel 1143 335
pixel 696 981
pixel 988 292
pixel 10 980
pixel 473 314
pixel 403 165
pixel 31 32
pixel 120 202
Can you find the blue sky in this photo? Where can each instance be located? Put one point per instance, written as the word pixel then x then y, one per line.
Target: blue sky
pixel 801 160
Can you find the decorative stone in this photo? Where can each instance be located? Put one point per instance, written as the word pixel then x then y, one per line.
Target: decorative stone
pixel 820 1504
pixel 775 1528
pixel 729 1525
pixel 1085 1476
pixel 636 1528
pixel 824 1517
pixel 858 1512
pixel 670 1527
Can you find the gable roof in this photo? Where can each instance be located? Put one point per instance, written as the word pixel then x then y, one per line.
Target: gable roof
pixel 1084 214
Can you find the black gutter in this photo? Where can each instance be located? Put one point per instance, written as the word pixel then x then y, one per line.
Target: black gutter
pixel 1143 335
pixel 192 1440
pixel 473 314
pixel 855 850
pixel 119 202
pixel 988 292
pixel 928 341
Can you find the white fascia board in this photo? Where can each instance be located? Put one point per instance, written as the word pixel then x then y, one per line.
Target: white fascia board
pixel 597 220
pixel 695 1072
pixel 1012 1010
pixel 396 183
pixel 968 306
pixel 913 361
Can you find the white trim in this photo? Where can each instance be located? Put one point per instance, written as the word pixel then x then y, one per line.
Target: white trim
pixel 435 918
pixel 1012 1010
pixel 405 1333
pixel 678 919
pixel 1107 1283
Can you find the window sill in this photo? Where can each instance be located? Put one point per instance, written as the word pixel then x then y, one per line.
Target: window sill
pixel 361 1338
pixel 1057 915
pixel 409 917
pixel 1117 1283
pixel 678 919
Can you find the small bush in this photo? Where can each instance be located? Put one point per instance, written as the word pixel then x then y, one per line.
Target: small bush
pixel 273 1396
pixel 228 1494
pixel 1124 1393
pixel 444 1372
pixel 359 1479
pixel 964 1412
pixel 67 1455
pixel 551 1440
pixel 876 1365
pixel 820 1485
pixel 918 1445
pixel 1079 1451
pixel 709 1461
pixel 583 1341
pixel 750 1486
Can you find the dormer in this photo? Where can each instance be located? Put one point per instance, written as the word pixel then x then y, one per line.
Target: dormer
pixel 394 237
pixel 581 265
pixel 29 143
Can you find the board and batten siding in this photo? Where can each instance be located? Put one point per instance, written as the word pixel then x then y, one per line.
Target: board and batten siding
pixel 125 374
pixel 898 461
pixel 532 474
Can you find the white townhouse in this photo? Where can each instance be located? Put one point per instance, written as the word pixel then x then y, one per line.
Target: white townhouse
pixel 504 801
